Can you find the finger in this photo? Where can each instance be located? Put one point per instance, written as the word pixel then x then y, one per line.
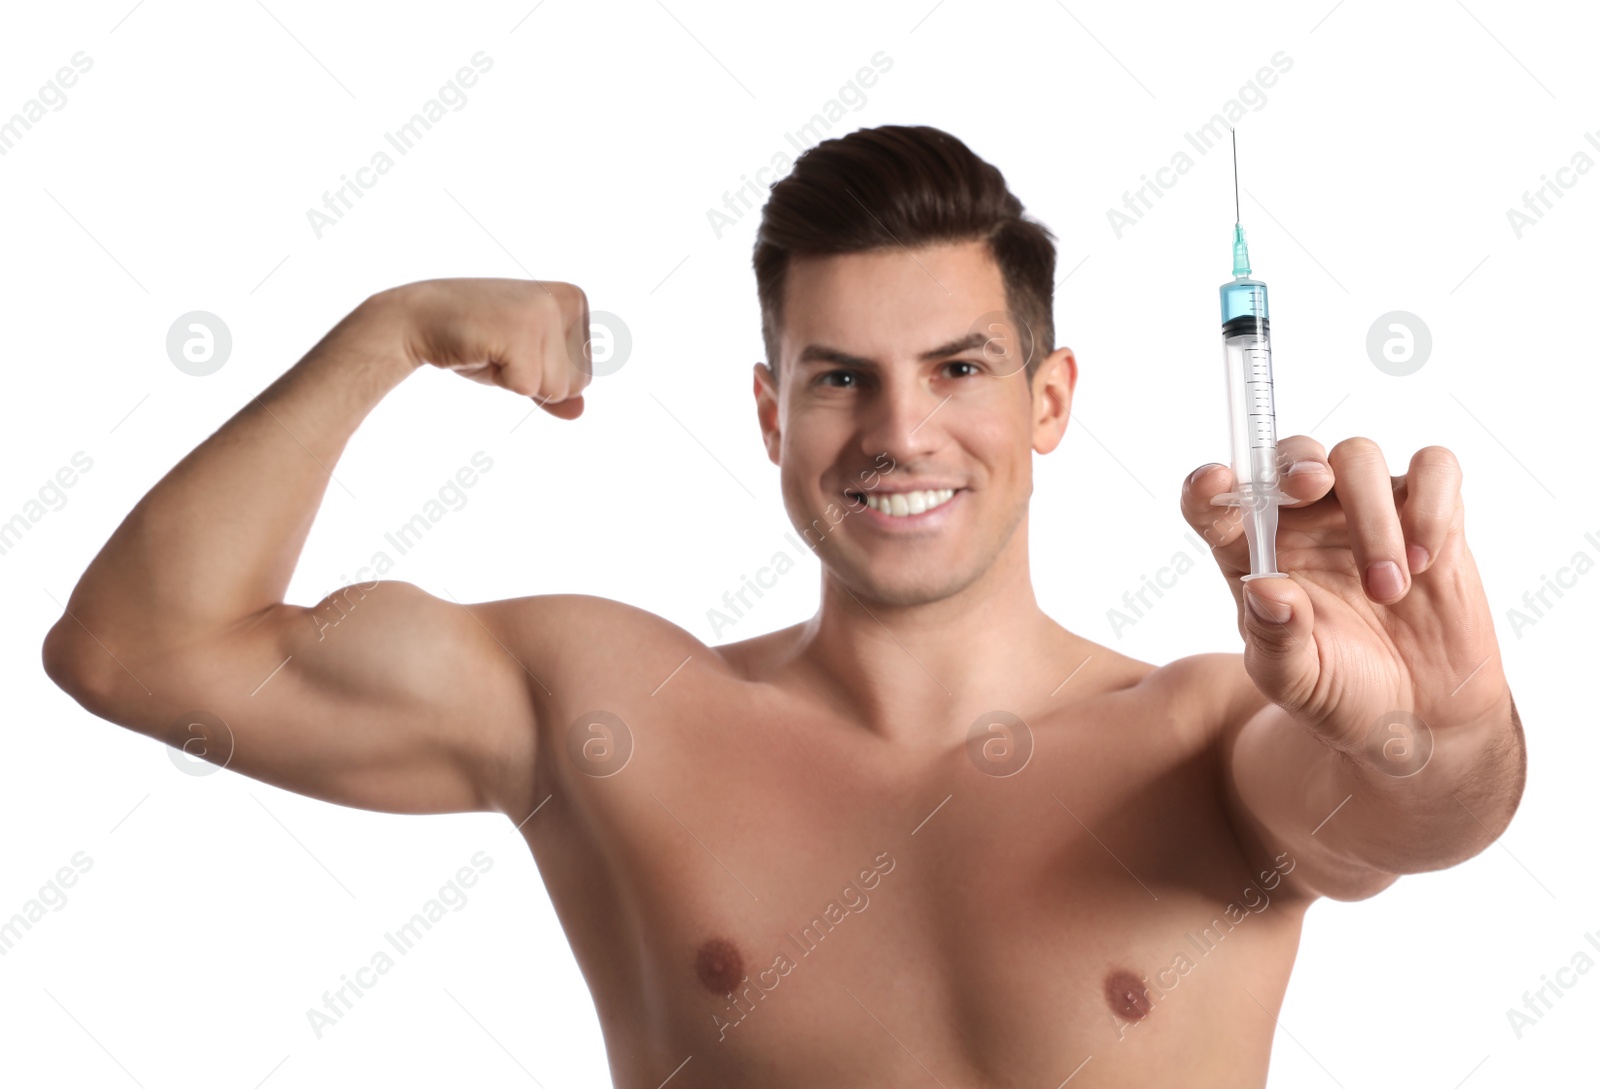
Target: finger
pixel 483 373
pixel 519 376
pixel 1366 494
pixel 570 409
pixel 1219 525
pixel 1303 470
pixel 580 353
pixel 564 357
pixel 1432 505
pixel 1276 622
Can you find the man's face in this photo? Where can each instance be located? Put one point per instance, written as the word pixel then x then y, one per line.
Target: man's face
pixel 885 391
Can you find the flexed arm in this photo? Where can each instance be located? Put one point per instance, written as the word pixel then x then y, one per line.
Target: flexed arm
pixel 409 704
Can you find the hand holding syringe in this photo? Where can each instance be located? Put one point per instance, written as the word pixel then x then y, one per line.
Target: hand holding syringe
pixel 1377 638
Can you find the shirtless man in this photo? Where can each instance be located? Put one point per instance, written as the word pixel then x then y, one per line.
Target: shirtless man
pixel 927 837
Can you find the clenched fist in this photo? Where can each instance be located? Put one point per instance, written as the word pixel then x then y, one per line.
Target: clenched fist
pixel 529 336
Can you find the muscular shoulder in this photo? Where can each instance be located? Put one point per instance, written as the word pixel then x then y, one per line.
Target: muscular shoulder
pixel 589 634
pixel 572 653
pixel 1207 693
pixel 578 627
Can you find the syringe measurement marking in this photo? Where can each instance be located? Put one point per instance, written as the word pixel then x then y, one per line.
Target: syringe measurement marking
pixel 1258 391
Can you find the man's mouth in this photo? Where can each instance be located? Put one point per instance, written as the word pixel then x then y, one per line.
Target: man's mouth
pixel 905 504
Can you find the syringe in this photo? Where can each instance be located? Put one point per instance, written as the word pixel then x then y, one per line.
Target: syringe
pixel 1247 356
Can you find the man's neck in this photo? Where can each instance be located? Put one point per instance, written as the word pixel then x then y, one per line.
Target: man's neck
pixel 920 673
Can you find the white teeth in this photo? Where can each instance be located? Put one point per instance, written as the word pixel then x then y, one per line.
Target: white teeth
pixel 900 504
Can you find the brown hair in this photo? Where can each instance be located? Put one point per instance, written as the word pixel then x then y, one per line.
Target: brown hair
pixel 903 186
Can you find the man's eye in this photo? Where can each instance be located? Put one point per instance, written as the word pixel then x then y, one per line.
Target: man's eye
pixel 976 369
pixel 827 378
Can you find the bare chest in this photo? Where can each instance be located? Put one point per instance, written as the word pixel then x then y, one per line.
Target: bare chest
pixel 790 903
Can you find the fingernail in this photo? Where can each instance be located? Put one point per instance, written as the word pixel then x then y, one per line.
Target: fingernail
pixel 1384 580
pixel 1273 612
pixel 1417 557
pixel 1305 468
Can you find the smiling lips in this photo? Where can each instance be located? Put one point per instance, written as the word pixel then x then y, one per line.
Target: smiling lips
pixel 904 504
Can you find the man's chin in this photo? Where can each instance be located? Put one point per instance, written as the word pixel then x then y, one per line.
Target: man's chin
pixel 904 589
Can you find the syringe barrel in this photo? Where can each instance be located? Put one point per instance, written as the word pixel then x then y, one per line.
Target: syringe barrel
pixel 1247 356
pixel 1243 299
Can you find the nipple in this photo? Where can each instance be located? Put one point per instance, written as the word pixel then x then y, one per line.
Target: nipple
pixel 719 966
pixel 1126 995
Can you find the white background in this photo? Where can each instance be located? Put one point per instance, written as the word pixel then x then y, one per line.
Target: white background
pixel 177 178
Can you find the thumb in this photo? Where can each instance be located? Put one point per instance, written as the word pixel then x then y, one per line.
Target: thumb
pixel 1279 654
pixel 570 409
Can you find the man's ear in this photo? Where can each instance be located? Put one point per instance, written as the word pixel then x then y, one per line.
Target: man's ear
pixel 1052 388
pixel 766 391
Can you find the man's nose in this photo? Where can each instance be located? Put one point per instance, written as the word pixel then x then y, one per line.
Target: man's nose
pixel 902 420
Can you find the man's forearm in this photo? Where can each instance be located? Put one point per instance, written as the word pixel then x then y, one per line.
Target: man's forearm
pixel 1457 804
pixel 217 539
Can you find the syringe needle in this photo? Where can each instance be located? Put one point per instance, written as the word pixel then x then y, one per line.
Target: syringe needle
pixel 1234 133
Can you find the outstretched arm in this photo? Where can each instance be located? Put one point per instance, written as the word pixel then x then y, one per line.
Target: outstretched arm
pixel 381 696
pixel 1389 742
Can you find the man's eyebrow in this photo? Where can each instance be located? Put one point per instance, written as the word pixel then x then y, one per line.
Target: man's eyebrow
pixel 821 353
